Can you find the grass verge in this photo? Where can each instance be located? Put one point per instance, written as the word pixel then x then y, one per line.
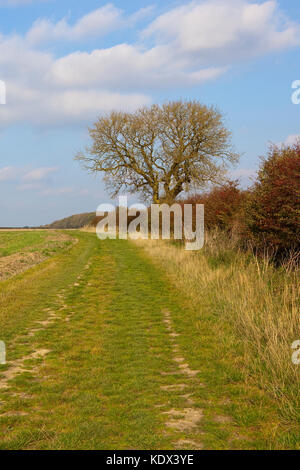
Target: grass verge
pixel 251 310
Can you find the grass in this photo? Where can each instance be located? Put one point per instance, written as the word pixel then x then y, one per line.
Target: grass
pixel 87 328
pixel 14 242
pixel 253 309
pixel 43 242
pixel 21 250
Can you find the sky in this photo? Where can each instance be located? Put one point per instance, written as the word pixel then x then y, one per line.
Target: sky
pixel 64 63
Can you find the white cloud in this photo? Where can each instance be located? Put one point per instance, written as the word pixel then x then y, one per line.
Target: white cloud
pixel 39 174
pixel 30 177
pixel 128 67
pixel 8 173
pixel 32 95
pixel 292 139
pixel 97 23
pixel 65 107
pixel 226 30
pixel 74 104
pixel 194 43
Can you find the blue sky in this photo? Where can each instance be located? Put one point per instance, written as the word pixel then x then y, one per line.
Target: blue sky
pixel 66 62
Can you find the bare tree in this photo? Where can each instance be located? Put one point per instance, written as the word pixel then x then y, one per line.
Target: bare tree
pixel 160 151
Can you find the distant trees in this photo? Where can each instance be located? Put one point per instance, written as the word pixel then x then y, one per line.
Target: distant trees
pixel 160 151
pixel 72 222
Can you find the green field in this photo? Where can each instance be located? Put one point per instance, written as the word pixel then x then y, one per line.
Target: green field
pixel 106 350
pixel 21 250
pixel 14 242
pixel 32 241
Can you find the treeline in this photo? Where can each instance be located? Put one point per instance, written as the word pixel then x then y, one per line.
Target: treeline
pixel 72 222
pixel 265 217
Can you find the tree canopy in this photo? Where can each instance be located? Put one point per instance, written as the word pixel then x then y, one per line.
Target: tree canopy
pixel 160 151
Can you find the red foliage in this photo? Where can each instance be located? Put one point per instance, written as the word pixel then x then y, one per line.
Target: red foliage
pixel 223 205
pixel 273 210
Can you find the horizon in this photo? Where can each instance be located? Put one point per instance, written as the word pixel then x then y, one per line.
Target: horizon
pixel 65 64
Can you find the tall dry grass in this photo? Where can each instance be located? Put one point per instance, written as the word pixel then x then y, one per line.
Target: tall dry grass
pixel 259 301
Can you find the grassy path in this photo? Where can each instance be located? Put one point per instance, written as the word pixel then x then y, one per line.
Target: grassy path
pixel 102 356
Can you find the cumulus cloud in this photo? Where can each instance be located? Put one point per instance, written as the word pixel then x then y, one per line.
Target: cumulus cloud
pixel 32 95
pixel 129 67
pixel 65 107
pixel 195 43
pixel 96 23
pixel 186 46
pixel 226 30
